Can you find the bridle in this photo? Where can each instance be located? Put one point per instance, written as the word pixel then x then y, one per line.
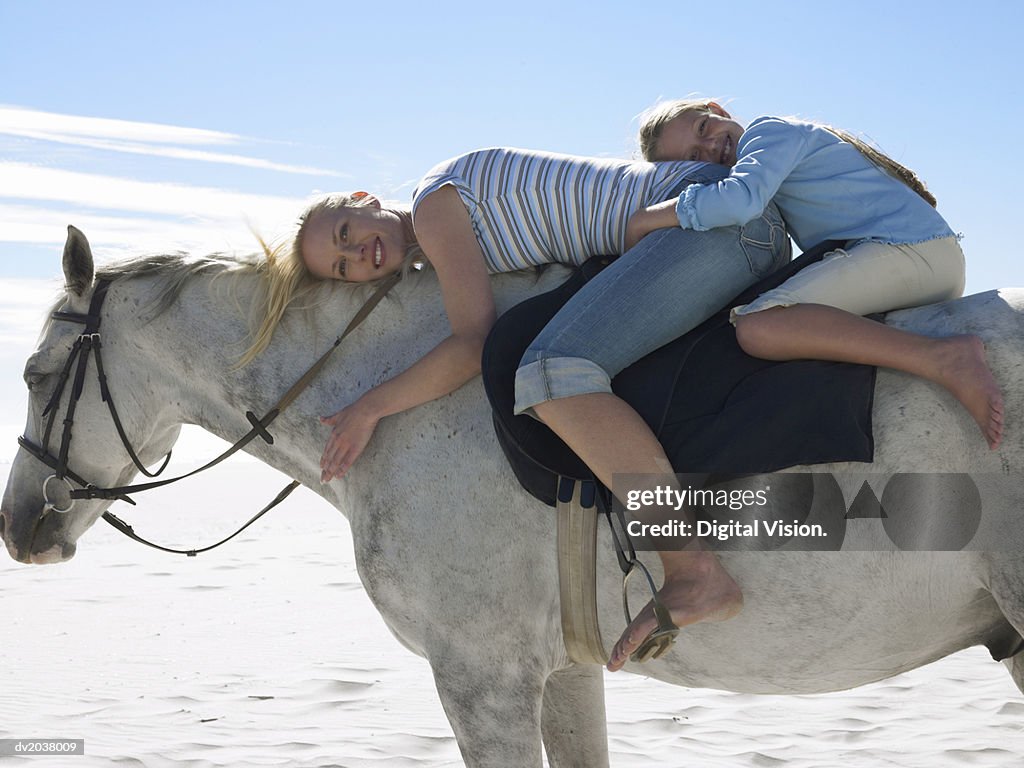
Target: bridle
pixel 89 344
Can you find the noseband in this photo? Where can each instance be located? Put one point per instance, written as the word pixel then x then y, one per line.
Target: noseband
pixel 89 344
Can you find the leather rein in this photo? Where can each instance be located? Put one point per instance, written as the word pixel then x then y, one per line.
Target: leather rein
pixel 89 344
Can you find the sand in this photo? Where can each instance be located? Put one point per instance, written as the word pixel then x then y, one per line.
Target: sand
pixel 268 653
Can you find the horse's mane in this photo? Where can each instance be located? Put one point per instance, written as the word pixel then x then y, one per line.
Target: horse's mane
pixel 179 265
pixel 173 270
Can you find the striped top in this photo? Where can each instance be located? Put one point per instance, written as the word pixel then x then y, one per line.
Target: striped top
pixel 529 208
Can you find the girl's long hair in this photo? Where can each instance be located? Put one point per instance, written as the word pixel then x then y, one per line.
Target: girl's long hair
pixel 886 163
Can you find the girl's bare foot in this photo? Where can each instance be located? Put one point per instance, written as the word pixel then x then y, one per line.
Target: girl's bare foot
pixel 965 373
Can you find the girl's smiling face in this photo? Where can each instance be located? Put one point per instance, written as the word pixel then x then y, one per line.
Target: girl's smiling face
pixel 710 137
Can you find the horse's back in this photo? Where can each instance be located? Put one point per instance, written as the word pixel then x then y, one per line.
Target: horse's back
pixel 832 620
pixel 997 316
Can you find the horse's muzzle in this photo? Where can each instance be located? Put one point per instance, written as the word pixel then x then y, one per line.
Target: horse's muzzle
pixel 38 538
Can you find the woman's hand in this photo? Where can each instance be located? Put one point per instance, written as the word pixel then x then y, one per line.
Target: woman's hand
pixel 351 429
pixel 646 220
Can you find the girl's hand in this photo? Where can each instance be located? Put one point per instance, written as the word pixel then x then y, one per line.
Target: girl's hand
pixel 351 429
pixel 646 220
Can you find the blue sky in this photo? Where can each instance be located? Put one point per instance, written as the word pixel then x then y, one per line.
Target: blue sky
pixel 157 127
pixel 373 94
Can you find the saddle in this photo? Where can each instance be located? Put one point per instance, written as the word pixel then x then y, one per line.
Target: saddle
pixel 713 407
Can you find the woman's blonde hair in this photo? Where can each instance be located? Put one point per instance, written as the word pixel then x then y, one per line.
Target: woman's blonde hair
pixel 288 279
pixel 655 119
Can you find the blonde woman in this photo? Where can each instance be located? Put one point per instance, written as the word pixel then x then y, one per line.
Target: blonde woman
pixel 498 210
pixel 828 185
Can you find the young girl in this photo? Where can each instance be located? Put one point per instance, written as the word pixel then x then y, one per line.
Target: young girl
pixel 899 251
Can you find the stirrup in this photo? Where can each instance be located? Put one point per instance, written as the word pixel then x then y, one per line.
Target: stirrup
pixel 656 644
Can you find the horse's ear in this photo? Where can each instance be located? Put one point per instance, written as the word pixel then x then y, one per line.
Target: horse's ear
pixel 78 268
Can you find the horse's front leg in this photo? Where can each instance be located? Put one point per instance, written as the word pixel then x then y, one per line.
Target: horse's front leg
pixel 494 707
pixel 573 719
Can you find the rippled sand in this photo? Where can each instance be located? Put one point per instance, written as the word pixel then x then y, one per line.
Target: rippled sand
pixel 268 653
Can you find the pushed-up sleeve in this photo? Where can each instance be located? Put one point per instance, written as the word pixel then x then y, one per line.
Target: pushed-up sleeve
pixel 766 155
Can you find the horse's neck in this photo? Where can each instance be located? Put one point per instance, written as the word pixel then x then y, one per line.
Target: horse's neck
pixel 194 345
pixel 181 362
pixel 193 349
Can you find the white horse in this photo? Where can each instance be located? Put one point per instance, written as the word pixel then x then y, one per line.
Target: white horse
pixel 461 562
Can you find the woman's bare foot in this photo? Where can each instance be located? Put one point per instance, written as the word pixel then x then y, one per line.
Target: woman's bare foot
pixel 697 588
pixel 964 371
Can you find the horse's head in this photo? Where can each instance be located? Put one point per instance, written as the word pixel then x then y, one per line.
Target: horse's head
pixel 70 438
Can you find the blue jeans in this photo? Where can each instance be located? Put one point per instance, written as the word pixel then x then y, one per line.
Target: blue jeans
pixel 670 282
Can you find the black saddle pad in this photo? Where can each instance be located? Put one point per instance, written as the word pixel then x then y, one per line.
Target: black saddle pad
pixel 714 408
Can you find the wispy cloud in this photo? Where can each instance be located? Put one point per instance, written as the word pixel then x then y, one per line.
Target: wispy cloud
pixel 131 214
pixel 24 181
pixel 115 236
pixel 13 118
pixel 122 216
pixel 138 138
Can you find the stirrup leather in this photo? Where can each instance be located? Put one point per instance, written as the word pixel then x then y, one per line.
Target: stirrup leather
pixel 577 571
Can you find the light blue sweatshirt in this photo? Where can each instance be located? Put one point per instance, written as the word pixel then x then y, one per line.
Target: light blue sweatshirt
pixel 824 187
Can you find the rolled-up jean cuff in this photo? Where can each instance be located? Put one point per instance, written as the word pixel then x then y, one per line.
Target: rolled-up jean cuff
pixel 765 301
pixel 553 378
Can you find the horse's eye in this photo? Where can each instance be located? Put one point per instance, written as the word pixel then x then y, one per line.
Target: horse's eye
pixel 34 380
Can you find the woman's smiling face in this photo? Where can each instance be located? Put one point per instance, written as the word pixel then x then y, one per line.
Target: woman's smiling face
pixel 355 244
